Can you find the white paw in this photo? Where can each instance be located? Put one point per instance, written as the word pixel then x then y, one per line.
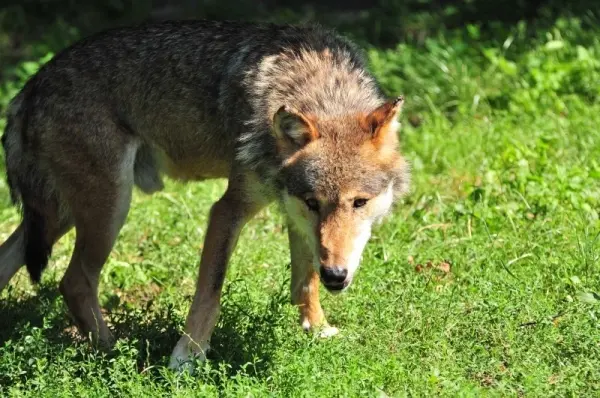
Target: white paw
pixel 328 331
pixel 324 331
pixel 306 325
pixel 186 353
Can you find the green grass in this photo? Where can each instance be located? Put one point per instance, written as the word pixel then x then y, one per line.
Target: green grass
pixel 504 141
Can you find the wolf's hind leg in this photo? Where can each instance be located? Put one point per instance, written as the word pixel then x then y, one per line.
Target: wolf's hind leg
pixel 96 232
pixel 99 208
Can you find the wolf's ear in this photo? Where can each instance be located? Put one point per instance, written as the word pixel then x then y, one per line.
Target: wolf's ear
pixel 293 129
pixel 383 121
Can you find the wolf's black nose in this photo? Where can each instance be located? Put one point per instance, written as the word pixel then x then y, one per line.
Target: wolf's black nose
pixel 333 277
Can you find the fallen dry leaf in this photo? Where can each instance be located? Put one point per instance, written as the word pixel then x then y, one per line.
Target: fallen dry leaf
pixel 175 241
pixel 553 379
pixel 556 321
pixel 444 266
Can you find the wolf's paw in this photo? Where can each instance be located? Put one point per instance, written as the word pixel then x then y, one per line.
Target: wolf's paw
pixel 328 331
pixel 323 331
pixel 186 353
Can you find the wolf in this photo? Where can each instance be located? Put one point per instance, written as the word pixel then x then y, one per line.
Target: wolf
pixel 287 113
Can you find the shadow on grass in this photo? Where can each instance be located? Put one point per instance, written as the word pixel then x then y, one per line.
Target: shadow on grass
pixel 19 315
pixel 245 334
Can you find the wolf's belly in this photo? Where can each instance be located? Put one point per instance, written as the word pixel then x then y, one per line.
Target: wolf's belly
pixel 194 168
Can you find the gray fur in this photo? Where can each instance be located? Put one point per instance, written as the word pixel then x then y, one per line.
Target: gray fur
pixel 189 88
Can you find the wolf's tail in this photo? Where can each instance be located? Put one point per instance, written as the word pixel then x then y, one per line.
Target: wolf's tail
pixel 28 243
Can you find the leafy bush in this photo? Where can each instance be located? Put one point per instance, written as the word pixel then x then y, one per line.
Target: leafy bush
pixel 455 72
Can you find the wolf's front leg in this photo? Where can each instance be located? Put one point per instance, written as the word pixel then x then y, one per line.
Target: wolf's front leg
pixel 305 287
pixel 227 217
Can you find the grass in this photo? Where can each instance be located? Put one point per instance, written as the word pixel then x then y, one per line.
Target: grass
pixel 484 281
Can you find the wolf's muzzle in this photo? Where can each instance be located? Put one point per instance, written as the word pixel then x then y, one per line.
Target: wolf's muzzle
pixel 334 278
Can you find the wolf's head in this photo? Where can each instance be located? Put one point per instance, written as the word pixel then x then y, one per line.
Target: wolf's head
pixel 340 176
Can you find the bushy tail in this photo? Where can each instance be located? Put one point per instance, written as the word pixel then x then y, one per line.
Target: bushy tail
pixel 37 248
pixel 21 174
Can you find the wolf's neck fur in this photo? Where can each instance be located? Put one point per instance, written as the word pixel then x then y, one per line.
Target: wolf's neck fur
pixel 324 84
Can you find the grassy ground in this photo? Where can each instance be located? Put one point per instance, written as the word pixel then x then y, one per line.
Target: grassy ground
pixel 485 281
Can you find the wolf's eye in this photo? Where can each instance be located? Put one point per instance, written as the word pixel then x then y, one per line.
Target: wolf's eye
pixel 312 204
pixel 359 203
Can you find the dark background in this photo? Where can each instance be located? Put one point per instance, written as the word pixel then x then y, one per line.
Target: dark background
pixel 380 22
pixel 31 29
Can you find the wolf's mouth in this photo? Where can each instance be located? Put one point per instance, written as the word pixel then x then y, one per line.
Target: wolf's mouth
pixel 336 287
